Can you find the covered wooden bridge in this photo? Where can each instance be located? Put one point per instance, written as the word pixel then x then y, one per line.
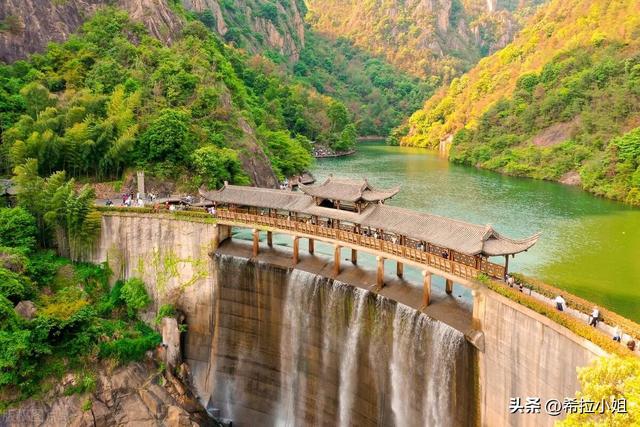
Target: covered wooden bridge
pixel 352 213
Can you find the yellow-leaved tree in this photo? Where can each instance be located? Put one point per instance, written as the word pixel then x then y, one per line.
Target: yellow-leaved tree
pixel 609 379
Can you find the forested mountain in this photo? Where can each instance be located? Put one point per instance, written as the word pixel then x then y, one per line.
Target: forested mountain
pixel 378 95
pixel 562 102
pixel 114 97
pixel 424 37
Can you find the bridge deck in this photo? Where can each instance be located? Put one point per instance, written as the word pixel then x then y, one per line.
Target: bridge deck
pixel 450 269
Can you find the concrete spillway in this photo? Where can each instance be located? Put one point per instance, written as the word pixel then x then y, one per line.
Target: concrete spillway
pixel 293 348
pixel 269 345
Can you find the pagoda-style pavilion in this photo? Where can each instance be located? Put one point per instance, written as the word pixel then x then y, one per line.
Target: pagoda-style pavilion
pixel 352 212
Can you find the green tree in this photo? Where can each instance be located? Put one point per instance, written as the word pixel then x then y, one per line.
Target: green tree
pixel 36 98
pixel 609 378
pixel 168 138
pixel 215 165
pixel 338 115
pixel 135 296
pixel 17 228
pixel 347 139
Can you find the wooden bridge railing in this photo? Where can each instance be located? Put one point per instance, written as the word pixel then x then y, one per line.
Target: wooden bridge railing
pixel 455 267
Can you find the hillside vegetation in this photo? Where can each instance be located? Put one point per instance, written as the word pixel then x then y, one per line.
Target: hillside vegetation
pixel 377 94
pixel 113 97
pixel 562 102
pixel 436 38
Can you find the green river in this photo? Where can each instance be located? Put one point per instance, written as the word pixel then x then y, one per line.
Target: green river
pixel 589 246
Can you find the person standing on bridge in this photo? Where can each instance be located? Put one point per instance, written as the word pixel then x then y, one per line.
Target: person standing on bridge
pixel 560 303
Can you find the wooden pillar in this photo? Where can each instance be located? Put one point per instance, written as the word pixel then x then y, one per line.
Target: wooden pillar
pixel 296 250
pixel 380 273
pixel 311 246
pixel 426 291
pixel 506 265
pixel 399 269
pixel 256 241
pixel 449 286
pixel 270 239
pixel 354 256
pixel 336 260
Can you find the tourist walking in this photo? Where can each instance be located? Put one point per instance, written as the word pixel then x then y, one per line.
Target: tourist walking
pixel 595 316
pixel 617 334
pixel 560 303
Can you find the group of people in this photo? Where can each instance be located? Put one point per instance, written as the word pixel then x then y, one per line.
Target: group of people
pixel 285 184
pixel 513 283
pixel 594 318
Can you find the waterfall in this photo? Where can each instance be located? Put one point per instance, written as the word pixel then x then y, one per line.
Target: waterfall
pixel 421 367
pixel 350 358
pixel 293 348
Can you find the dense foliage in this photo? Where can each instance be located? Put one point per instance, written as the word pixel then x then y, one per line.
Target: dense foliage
pixel 378 95
pixel 608 379
pixel 585 97
pixel 113 97
pixel 423 38
pixel 78 319
pixel 521 113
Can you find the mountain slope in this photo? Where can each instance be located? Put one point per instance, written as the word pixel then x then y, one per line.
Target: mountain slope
pixel 27 26
pixel 551 104
pixel 113 97
pixel 423 37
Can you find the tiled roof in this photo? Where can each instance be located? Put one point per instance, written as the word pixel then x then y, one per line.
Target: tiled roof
pixel 348 190
pixel 463 237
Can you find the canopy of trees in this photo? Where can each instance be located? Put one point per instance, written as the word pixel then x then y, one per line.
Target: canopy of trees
pixel 113 97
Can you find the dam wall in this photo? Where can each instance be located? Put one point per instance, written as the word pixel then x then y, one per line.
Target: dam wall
pixel 525 355
pixel 273 346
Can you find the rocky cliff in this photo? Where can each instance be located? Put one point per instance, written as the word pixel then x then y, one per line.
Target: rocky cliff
pixel 27 26
pixel 256 25
pixel 424 37
pixel 134 395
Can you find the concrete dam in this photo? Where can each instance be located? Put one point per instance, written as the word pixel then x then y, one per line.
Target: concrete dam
pixel 270 345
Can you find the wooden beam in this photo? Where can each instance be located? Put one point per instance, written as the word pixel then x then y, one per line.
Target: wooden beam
pixel 426 290
pixel 336 260
pixel 270 239
pixel 380 273
pixel 256 241
pixel 354 256
pixel 296 250
pixel 449 286
pixel 311 246
pixel 399 269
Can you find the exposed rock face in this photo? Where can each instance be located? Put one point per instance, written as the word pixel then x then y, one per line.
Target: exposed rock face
pixel 283 33
pixel 26 309
pixel 32 24
pixel 424 37
pixel 129 396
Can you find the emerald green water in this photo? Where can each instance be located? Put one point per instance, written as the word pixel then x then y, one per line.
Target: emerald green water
pixel 589 246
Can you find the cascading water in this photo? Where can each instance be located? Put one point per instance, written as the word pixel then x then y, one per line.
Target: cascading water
pixel 294 348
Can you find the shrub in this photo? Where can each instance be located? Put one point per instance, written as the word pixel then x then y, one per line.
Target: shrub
pixel 17 228
pixel 563 319
pixel 166 310
pixel 15 287
pixel 131 347
pixel 135 295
